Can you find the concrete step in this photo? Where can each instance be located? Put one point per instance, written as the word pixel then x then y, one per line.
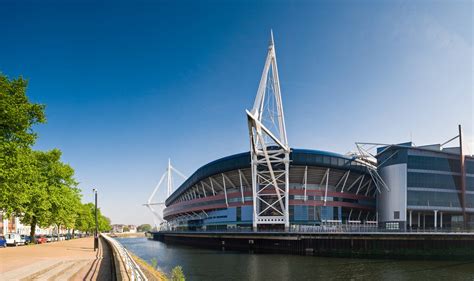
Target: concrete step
pixel 57 269
pixel 29 270
pixel 72 270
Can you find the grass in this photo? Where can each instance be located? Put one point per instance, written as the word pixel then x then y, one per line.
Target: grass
pixel 150 272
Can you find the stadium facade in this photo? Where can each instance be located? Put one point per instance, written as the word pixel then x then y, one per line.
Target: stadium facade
pixel 324 188
pixel 273 186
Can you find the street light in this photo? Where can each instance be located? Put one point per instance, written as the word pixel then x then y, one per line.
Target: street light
pixel 96 232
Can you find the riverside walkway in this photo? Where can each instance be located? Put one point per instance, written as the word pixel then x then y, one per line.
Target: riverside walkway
pixel 65 260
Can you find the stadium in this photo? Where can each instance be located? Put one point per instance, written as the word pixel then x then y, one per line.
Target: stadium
pixel 324 188
pixel 275 187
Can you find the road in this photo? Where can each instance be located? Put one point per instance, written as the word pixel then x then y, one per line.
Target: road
pixel 66 260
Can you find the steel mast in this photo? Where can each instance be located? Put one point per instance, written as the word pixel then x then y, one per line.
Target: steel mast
pixel 270 153
pixel 157 207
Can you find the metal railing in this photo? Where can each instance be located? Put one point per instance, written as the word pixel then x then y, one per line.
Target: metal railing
pixel 132 269
pixel 342 228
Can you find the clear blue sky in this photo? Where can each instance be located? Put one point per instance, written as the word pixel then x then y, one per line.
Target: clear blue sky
pixel 129 85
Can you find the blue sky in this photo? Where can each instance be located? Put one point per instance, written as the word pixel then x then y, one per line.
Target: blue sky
pixel 129 85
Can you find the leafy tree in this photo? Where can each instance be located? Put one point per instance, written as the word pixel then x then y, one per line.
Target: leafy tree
pixel 65 201
pixel 104 222
pixel 144 228
pixel 126 228
pixel 85 220
pixel 17 113
pixel 17 116
pixel 52 195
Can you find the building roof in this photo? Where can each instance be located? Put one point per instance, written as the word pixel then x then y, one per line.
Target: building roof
pixel 302 157
pixel 437 148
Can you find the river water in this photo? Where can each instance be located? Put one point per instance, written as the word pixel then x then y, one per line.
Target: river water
pixel 205 264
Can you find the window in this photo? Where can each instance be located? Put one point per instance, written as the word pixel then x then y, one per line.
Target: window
pixel 433 181
pixel 396 215
pixel 428 198
pixel 311 213
pixel 239 213
pixel 433 163
pixel 392 225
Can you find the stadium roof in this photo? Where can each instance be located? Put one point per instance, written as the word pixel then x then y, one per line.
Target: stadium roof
pixel 301 157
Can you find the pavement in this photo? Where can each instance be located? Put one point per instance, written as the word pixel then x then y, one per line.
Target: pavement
pixel 65 260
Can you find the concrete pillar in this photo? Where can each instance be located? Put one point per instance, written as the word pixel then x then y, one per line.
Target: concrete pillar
pixel 441 219
pixel 424 220
pixel 419 220
pixel 435 219
pixel 409 218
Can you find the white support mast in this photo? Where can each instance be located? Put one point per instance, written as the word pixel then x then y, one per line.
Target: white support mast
pixel 158 206
pixel 269 148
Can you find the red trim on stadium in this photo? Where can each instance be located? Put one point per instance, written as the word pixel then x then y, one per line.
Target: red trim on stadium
pixel 175 209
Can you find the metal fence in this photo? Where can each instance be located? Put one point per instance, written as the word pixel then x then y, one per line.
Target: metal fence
pixel 335 228
pixel 132 269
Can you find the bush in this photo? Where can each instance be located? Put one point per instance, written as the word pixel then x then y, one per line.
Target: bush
pixel 177 274
pixel 154 263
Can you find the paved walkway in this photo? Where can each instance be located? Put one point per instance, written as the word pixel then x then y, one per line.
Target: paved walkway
pixel 65 260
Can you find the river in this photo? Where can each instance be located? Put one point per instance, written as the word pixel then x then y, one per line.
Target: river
pixel 204 264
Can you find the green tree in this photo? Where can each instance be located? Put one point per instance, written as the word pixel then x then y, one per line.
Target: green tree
pixel 104 223
pixel 53 196
pixel 17 117
pixel 85 220
pixel 126 228
pixel 144 228
pixel 65 202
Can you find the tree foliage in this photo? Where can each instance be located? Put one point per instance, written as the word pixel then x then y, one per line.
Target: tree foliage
pixel 17 113
pixel 17 116
pixel 35 185
pixel 144 228
pixel 85 220
pixel 53 198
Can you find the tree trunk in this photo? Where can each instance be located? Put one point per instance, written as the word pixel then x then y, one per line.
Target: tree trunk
pixel 33 230
pixel 73 230
pixel 57 234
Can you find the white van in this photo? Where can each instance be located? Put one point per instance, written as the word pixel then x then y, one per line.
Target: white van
pixel 13 239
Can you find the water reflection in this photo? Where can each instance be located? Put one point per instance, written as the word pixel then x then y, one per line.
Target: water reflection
pixel 203 264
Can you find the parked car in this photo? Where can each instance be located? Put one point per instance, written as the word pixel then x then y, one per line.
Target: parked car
pixel 26 238
pixel 3 241
pixel 13 239
pixel 49 238
pixel 22 240
pixel 40 239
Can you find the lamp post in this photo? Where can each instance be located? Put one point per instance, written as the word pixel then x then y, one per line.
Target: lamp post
pixel 96 232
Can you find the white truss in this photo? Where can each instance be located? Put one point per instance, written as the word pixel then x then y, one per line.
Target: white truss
pixel 269 148
pixel 157 208
pixel 364 156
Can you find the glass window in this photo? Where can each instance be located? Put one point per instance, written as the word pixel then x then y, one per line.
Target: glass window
pixel 425 198
pixel 469 167
pixel 433 163
pixel 433 181
pixel 396 215
pixel 239 213
pixel 470 183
